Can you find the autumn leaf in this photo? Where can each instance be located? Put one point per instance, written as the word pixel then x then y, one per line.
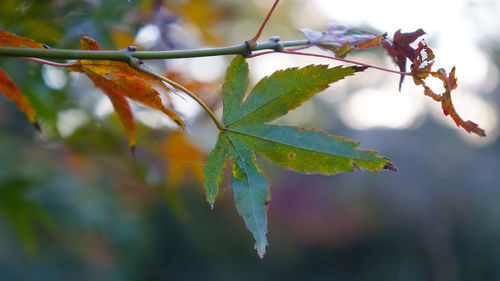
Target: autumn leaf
pixel 119 81
pixel 421 69
pixel 184 160
pixel 8 87
pixel 341 39
pixel 422 63
pixel 450 84
pixel 12 92
pixel 304 150
pixel 400 50
pixel 8 39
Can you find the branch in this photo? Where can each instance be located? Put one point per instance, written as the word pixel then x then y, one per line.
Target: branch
pixel 124 55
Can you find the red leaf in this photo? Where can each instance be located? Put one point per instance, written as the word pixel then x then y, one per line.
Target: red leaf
pixel 8 39
pixel 399 49
pixel 12 92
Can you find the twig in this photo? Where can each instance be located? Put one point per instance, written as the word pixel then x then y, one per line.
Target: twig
pixel 252 42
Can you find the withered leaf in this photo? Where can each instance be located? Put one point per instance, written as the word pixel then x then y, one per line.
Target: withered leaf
pixel 422 63
pixel 399 49
pixel 450 83
pixel 341 39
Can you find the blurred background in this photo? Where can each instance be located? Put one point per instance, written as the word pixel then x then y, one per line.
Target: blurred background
pixel 75 205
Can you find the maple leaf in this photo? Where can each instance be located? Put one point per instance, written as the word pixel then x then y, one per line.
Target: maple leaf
pixel 341 39
pixel 399 49
pixel 7 86
pixel 8 39
pixel 119 81
pixel 246 132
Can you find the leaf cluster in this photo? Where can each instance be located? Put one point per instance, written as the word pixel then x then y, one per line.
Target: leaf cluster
pixel 246 129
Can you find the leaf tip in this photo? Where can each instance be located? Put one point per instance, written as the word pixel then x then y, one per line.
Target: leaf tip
pixel 355 167
pixel 261 253
pixel 358 68
pixel 389 166
pixel 37 126
pixel 180 123
pixel 132 150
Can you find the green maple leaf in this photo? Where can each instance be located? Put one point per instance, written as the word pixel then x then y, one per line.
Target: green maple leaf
pixel 246 132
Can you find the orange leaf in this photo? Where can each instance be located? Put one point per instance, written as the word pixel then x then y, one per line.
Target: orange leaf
pixel 8 39
pixel 183 159
pixel 450 83
pixel 370 43
pixel 12 92
pixel 120 105
pixel 422 63
pixel 118 80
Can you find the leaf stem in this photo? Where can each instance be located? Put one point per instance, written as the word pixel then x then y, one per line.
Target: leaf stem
pixel 136 65
pixel 253 41
pixel 343 60
pixel 49 62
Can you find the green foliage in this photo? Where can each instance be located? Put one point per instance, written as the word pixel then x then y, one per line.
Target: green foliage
pixel 246 132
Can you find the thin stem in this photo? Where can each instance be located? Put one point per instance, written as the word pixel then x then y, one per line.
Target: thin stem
pixel 344 60
pixel 135 64
pixel 262 53
pixel 253 41
pixel 49 62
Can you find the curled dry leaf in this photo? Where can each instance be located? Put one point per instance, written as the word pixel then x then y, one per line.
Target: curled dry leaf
pixel 421 69
pixel 450 83
pixel 422 64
